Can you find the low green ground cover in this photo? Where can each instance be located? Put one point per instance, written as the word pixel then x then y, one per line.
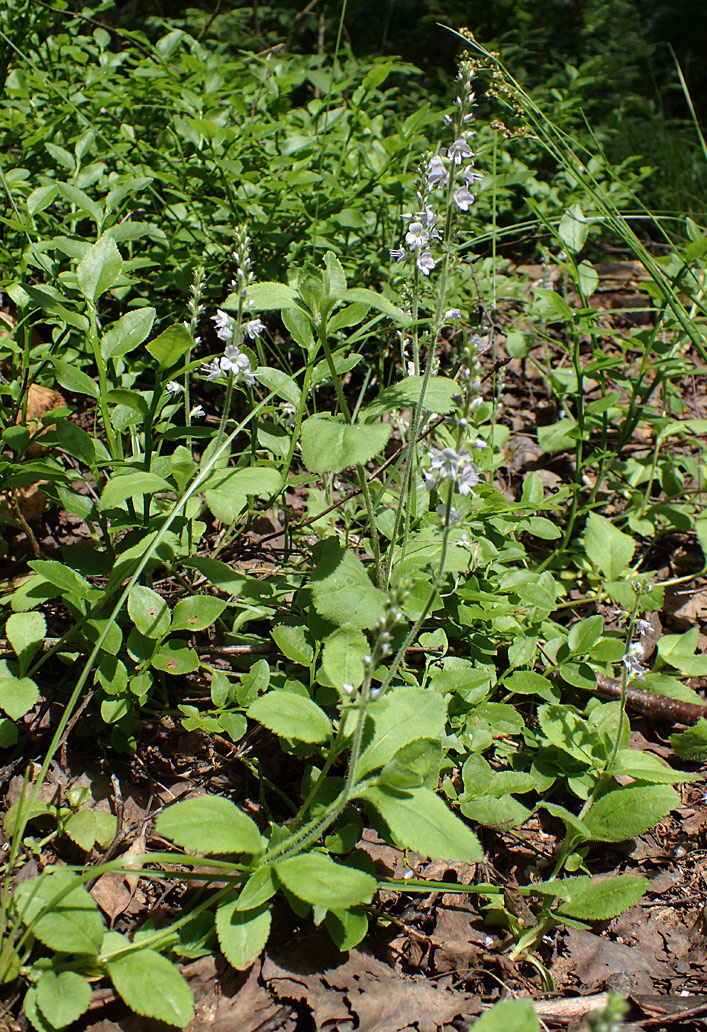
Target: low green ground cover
pixel 197 253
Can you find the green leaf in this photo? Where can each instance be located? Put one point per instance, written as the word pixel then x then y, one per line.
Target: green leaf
pixel 334 277
pixel 380 303
pixel 75 380
pixel 644 766
pixel 242 934
pixel 147 982
pixel 342 658
pixel 691 744
pixel 607 548
pixel 347 927
pixel 209 824
pixel 197 613
pixel 271 296
pixel 26 633
pixel 282 384
pixel 585 634
pixel 63 998
pixel 18 695
pixel 329 446
pixel 148 611
pixel 629 811
pixel 175 657
pixel 293 643
pixel 573 229
pixel 678 650
pixel 291 716
pixel 527 682
pixel 341 589
pixel 171 344
pixel 72 924
pixel 419 820
pixel 403 715
pixel 76 441
pixel 316 878
pixel 508 1016
pixel 439 396
pixel 67 580
pixel 496 812
pixel 227 490
pixel 129 331
pixel 560 436
pixel 590 900
pixel 134 484
pixel 588 278
pixel 99 269
pixel 86 827
pixel 260 887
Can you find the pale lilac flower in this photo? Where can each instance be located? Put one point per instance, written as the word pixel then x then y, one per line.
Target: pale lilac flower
pixel 643 626
pixel 197 412
pixel 463 199
pixel 436 172
pixel 471 175
pixel 428 216
pixel 254 328
pixel 454 515
pixel 468 478
pixel 452 313
pixel 224 324
pixel 375 692
pixel 213 369
pixel 460 151
pixel 417 236
pixel 289 412
pixel 426 263
pixel 228 362
pixel 632 661
pixel 410 368
pixel 448 464
pixel 398 254
pixel 348 689
pixel 174 388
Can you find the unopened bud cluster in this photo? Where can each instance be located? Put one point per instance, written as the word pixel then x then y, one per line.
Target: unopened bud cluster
pixel 382 632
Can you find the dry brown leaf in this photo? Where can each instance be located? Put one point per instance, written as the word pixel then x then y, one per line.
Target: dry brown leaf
pixel 40 400
pixel 114 890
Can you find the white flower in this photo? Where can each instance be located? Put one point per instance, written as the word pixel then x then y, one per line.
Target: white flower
pixel 644 627
pixel 471 175
pixel 468 478
pixel 463 199
pixel 348 689
pixel 254 328
pixel 436 172
pixel 632 661
pixel 174 388
pixel 460 151
pixel 228 362
pixel 417 236
pixel 398 254
pixel 223 324
pixel 213 369
pixel 452 313
pixel 426 263
pixel 197 412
